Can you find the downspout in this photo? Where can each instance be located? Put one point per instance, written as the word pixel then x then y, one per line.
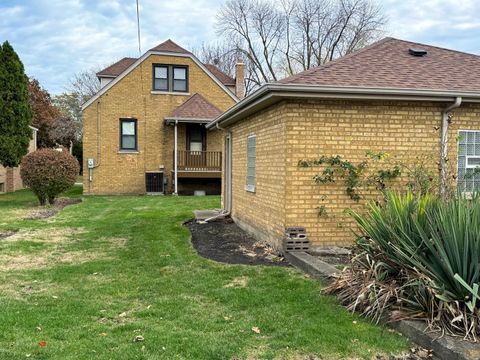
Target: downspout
pixel 444 146
pixel 175 157
pixel 90 170
pixel 228 176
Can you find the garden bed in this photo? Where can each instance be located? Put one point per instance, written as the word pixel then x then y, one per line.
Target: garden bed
pixel 223 241
pixel 45 212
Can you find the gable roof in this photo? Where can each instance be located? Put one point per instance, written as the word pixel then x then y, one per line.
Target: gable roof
pixel 170 46
pixel 196 107
pixel 120 66
pixel 170 49
pixel 220 75
pixel 387 63
pixel 117 68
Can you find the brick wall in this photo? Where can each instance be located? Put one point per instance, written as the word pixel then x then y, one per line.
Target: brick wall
pixel 262 212
pixel 310 129
pixel 10 177
pixel 122 173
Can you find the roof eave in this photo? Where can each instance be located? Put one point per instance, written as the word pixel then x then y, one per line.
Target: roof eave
pixel 173 120
pixel 271 93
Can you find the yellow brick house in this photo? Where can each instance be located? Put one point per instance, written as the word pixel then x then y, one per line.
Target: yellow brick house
pixel 394 96
pixel 144 131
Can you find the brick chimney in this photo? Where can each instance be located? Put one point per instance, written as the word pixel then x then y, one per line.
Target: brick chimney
pixel 240 79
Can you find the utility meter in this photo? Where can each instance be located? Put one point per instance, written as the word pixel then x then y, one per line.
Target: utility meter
pixel 90 163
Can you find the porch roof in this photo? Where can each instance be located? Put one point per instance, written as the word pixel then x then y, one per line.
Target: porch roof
pixel 196 109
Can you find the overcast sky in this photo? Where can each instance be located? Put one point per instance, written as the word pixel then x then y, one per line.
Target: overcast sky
pixel 58 38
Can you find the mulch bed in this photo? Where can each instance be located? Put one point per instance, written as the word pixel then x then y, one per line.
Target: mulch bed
pixel 223 241
pixel 46 212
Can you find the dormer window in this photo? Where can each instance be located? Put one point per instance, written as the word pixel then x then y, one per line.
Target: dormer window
pixel 170 78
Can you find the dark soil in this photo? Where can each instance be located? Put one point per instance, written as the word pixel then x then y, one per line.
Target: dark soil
pixel 6 233
pixel 224 241
pixel 45 212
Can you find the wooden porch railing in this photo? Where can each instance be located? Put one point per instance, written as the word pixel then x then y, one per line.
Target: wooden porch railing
pixel 199 160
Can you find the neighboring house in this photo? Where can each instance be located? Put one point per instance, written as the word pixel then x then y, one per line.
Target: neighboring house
pixel 392 96
pixel 144 131
pixel 10 179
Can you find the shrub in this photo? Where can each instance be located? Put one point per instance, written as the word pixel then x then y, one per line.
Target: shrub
pixel 419 256
pixel 49 172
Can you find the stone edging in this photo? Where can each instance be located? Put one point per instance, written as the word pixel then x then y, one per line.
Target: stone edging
pixel 446 347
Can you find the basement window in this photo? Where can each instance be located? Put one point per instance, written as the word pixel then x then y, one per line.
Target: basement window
pixel 128 134
pixel 251 163
pixel 468 161
pixel 170 78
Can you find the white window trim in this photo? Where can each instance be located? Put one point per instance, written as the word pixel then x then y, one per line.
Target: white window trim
pixel 251 187
pixel 467 194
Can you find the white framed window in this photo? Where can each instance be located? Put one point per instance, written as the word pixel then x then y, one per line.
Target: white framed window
pixel 468 164
pixel 251 163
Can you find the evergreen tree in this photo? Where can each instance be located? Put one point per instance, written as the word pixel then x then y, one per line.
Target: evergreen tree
pixel 15 111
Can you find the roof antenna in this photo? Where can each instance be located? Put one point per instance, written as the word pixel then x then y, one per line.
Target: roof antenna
pixel 138 29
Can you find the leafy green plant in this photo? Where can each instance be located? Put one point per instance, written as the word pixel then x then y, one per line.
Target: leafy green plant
pixel 49 172
pixel 428 247
pixel 354 175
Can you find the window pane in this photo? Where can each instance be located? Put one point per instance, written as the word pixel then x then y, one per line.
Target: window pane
pixel 161 72
pixel 161 84
pixel 128 128
pixel 180 73
pixel 470 149
pixel 128 142
pixel 462 137
pixel 470 137
pixel 180 85
pixel 196 146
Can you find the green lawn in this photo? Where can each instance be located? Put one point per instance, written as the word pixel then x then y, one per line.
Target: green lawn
pixel 100 273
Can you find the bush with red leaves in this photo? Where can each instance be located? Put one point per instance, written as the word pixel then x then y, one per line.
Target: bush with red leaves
pixel 49 172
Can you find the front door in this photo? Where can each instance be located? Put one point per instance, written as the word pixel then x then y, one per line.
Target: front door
pixel 196 147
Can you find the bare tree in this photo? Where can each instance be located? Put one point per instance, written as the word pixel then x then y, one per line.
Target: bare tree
pixel 282 38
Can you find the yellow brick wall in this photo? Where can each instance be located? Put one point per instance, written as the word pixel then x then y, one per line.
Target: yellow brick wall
pixel 12 180
pixel 263 211
pixel 311 129
pixel 122 173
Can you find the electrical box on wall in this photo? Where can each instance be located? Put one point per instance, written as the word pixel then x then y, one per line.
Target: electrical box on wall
pixel 90 163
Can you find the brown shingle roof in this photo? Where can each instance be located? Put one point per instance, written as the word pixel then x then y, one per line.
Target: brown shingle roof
pixel 388 64
pixel 170 46
pixel 195 107
pixel 117 68
pixel 120 66
pixel 220 75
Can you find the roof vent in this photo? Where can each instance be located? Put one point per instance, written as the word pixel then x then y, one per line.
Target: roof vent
pixel 417 52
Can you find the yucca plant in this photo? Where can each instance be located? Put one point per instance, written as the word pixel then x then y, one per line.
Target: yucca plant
pixel 429 249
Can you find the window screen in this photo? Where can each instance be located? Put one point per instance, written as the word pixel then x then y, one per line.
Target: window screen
pixel 179 79
pixel 160 78
pixel 128 134
pixel 469 161
pixel 251 163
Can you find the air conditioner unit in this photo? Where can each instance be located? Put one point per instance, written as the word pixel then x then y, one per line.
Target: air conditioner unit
pixel 472 162
pixel 154 182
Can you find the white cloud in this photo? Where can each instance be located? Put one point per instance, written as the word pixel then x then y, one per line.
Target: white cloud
pixel 56 38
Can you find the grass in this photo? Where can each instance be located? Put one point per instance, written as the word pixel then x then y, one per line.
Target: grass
pixel 100 273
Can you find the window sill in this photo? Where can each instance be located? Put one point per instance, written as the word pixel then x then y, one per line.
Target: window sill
pixel 158 92
pixel 250 188
pixel 128 152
